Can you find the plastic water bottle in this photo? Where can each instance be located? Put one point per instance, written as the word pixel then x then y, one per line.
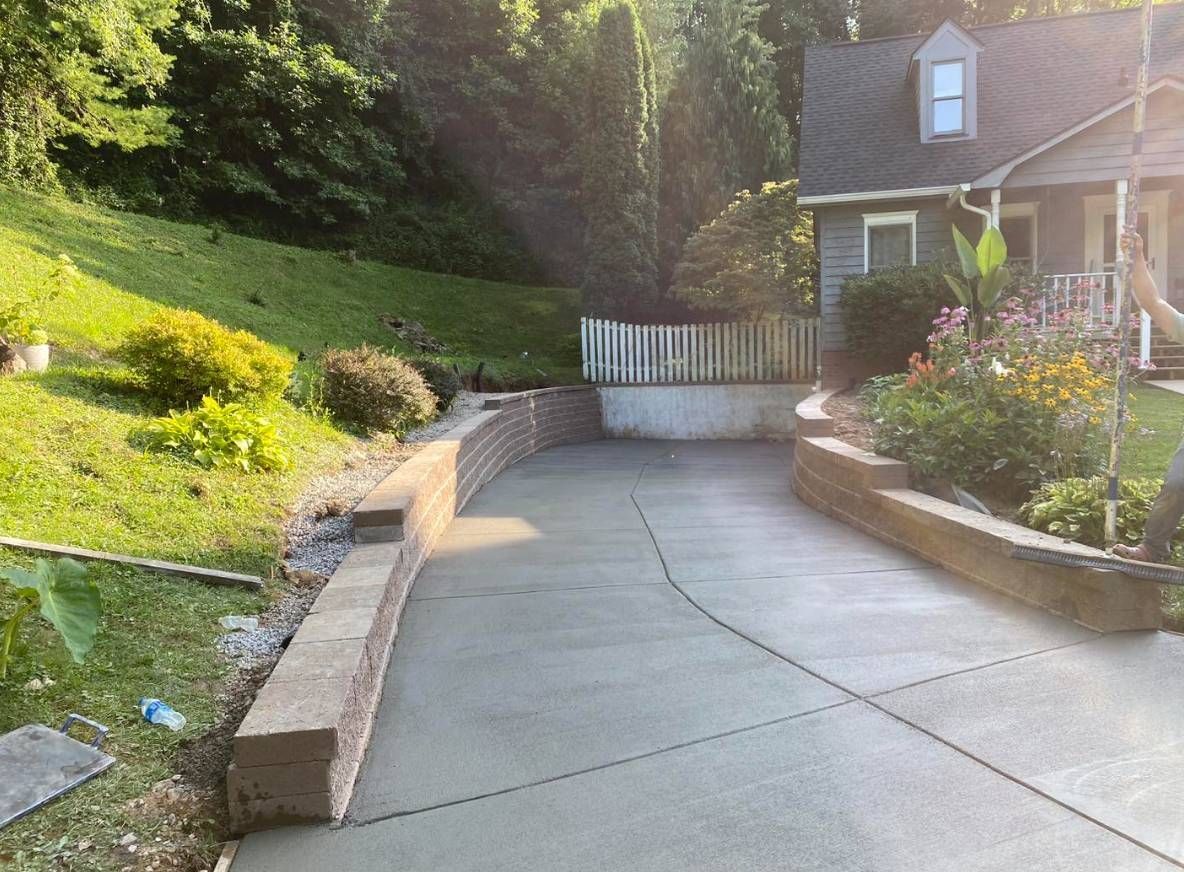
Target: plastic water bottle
pixel 157 711
pixel 238 622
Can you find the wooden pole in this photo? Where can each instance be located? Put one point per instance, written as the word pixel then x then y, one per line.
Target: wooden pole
pixel 1131 219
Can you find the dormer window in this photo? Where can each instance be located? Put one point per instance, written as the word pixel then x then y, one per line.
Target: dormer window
pixel 944 73
pixel 949 97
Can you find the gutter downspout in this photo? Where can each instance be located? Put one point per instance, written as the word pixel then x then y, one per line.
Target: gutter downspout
pixel 961 192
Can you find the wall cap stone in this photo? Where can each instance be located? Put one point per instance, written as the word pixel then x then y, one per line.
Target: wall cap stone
pixel 297 752
pixel 848 483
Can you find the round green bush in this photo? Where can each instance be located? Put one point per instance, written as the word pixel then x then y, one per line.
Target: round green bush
pixel 888 314
pixel 442 378
pixel 181 356
pixel 375 391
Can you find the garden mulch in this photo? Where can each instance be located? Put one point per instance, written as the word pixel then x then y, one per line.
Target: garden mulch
pixel 852 422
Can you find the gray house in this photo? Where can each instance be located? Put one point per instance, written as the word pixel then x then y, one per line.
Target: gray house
pixel 1024 125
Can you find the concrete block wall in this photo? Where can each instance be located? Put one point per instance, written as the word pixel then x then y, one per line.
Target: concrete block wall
pixel 701 411
pixel 871 493
pixel 298 750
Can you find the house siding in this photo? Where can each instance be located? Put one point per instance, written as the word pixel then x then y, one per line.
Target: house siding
pixel 841 239
pixel 1103 152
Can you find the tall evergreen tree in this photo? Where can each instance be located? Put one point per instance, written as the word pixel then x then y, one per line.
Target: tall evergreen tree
pixel 723 130
pixel 620 160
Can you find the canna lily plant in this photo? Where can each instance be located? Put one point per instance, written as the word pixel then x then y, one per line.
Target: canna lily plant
pixel 984 276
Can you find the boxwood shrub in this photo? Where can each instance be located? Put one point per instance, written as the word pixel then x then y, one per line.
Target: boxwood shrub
pixel 888 314
pixel 181 356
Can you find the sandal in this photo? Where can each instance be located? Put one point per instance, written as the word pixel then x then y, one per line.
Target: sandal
pixel 1138 553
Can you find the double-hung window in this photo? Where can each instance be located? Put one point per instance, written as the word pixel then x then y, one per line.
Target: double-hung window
pixel 948 105
pixel 889 239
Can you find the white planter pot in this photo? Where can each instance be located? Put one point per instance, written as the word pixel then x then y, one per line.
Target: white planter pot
pixel 36 357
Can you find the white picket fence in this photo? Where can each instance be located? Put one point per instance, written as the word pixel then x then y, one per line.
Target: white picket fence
pixel 774 350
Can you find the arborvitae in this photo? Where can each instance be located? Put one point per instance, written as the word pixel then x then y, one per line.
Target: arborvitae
pixel 723 129
pixel 620 160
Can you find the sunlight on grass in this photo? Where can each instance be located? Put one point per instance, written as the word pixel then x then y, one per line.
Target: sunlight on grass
pixel 132 264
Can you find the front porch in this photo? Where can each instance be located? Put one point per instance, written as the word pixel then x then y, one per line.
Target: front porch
pixel 1068 235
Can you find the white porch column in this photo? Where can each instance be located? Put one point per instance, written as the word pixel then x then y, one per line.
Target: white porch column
pixel 996 196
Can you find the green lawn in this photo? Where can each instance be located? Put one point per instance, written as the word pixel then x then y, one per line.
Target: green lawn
pixel 72 471
pixel 156 639
pixel 311 299
pixel 1151 442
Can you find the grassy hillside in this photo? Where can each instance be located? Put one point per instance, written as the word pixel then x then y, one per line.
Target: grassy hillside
pixel 72 472
pixel 134 264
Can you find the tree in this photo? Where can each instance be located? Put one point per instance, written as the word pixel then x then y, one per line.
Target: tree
pixel 723 130
pixel 79 68
pixel 755 260
pixel 620 158
pixel 279 127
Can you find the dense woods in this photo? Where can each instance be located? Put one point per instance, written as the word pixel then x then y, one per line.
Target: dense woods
pixel 577 142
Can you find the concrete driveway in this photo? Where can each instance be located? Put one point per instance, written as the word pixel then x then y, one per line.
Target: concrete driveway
pixel 650 656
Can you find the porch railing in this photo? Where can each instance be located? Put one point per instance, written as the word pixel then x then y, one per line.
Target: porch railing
pixel 1093 293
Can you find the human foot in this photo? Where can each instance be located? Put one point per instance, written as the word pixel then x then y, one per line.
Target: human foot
pixel 1137 552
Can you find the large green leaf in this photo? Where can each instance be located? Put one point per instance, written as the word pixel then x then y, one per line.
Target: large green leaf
pixel 966 254
pixel 961 291
pixel 992 251
pixel 68 600
pixel 991 286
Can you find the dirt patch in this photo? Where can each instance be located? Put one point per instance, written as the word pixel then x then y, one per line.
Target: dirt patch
pixel 853 423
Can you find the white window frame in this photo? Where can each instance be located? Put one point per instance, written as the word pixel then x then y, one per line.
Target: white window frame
pixel 934 100
pixel 1025 210
pixel 887 219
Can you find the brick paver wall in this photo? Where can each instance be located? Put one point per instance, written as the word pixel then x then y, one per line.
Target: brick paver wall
pixel 872 494
pixel 297 752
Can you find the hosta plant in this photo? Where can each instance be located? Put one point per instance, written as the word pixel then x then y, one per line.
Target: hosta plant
pixel 1075 509
pixel 66 598
pixel 217 436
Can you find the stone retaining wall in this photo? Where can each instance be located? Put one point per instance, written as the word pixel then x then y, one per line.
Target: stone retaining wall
pixel 297 752
pixel 871 493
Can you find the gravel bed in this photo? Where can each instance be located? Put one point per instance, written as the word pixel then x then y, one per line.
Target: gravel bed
pixel 320 531
pixel 464 406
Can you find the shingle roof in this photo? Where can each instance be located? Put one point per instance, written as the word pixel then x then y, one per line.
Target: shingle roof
pixel 1036 78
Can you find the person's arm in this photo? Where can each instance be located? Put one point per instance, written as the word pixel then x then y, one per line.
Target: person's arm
pixel 1166 318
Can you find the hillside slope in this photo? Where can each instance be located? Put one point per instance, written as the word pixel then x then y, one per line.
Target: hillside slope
pixel 303 299
pixel 71 468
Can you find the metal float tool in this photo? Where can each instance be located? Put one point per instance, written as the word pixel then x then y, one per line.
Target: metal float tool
pixel 1126 267
pixel 39 764
pixel 1155 572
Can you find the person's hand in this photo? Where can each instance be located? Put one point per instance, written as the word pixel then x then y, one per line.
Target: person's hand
pixel 1132 244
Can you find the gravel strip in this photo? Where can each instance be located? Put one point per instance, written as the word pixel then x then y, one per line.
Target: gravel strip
pixel 464 406
pixel 320 531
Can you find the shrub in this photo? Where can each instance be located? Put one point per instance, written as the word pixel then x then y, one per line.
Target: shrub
pixel 375 391
pixel 889 313
pixel 1075 509
pixel 218 436
pixel 442 378
pixel 181 356
pixel 966 431
pixel 65 597
pixel 756 259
